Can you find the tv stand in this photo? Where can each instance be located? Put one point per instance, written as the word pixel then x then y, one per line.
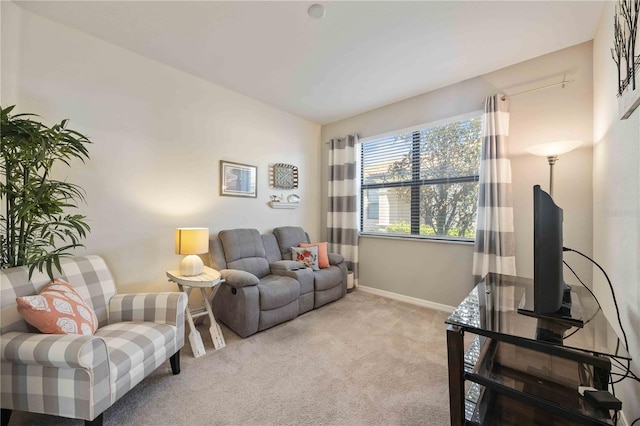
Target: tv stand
pixel 569 313
pixel 520 367
pixel 563 315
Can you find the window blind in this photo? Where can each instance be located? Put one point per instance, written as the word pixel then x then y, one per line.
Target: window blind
pixel 422 182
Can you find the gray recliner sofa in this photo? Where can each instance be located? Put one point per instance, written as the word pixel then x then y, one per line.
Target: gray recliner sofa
pixel 263 287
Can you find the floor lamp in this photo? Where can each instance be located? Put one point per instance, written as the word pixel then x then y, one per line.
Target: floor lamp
pixel 552 150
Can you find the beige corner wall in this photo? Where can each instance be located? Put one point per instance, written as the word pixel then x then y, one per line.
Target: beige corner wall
pixel 441 272
pixel 158 135
pixel 616 206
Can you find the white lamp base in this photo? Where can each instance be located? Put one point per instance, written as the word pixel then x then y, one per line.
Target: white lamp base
pixel 191 265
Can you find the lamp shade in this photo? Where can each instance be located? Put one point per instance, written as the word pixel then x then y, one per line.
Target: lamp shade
pixel 553 149
pixel 192 240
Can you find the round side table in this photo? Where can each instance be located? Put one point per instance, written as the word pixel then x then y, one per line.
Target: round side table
pixel 209 278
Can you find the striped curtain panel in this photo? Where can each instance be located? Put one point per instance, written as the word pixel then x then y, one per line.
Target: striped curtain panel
pixel 495 241
pixel 342 215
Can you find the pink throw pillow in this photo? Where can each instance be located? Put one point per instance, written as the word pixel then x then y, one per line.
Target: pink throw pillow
pixel 323 253
pixel 58 309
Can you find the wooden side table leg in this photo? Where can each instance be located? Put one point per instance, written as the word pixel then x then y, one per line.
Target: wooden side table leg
pixel 195 340
pixel 214 328
pixel 455 354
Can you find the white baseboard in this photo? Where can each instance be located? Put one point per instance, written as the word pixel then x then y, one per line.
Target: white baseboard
pixel 407 299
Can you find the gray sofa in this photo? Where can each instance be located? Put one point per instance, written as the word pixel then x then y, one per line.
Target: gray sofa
pixel 263 287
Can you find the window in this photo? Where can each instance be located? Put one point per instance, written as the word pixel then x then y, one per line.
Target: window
pixel 373 204
pixel 422 182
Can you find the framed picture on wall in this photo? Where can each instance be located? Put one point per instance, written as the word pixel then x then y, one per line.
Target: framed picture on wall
pixel 238 180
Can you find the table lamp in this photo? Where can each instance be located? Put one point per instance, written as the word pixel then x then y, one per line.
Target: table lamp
pixel 552 150
pixel 192 242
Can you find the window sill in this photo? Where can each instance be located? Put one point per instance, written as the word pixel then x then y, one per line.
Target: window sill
pixel 422 239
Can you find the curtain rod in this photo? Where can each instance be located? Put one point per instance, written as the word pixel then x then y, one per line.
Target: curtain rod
pixel 562 83
pixel 548 86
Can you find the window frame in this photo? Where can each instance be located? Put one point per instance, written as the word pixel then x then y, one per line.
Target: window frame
pixel 415 183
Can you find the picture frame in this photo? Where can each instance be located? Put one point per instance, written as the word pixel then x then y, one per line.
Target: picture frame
pixel 238 180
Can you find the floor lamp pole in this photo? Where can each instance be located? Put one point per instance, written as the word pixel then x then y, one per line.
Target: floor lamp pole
pixel 552 160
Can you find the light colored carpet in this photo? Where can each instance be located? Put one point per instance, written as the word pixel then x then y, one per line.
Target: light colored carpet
pixel 362 360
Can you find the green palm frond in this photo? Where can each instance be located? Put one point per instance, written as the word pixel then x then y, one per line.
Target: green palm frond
pixel 36 228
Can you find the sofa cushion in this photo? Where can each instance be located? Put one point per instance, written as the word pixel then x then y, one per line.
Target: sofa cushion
pixel 241 243
pixel 272 251
pixel 322 297
pixel 327 278
pixel 136 348
pixel 277 291
pixel 58 309
pixel 258 266
pixel 276 316
pixel 243 249
pixel 289 236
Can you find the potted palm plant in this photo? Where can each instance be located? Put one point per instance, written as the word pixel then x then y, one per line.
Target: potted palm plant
pixel 37 227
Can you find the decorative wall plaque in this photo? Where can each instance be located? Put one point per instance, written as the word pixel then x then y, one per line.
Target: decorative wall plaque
pixel 625 32
pixel 284 176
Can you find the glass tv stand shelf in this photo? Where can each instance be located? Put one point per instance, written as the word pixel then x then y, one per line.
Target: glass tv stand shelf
pixel 518 367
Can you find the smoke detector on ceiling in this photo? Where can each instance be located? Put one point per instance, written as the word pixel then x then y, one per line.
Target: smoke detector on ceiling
pixel 316 11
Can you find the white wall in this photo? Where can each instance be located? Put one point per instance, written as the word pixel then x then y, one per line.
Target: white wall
pixel 616 205
pixel 158 135
pixel 441 272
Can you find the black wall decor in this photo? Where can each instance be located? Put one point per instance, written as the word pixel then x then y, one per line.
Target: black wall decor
pixel 625 31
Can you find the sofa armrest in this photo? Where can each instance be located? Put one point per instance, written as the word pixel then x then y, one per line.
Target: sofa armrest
pixel 237 278
pixel 55 350
pixel 165 308
pixel 285 265
pixel 335 259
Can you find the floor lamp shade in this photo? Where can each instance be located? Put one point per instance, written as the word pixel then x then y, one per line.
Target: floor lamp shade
pixel 191 242
pixel 552 150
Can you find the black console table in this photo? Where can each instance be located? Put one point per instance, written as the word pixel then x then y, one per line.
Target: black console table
pixel 523 370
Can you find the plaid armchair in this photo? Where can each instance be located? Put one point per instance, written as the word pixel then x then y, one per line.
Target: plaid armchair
pixel 81 376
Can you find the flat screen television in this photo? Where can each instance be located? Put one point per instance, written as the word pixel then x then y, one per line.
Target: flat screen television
pixel 551 296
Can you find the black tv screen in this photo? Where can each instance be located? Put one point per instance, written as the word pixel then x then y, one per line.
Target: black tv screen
pixel 547 254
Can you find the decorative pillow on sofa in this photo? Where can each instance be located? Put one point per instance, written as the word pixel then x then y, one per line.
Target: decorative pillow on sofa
pixel 307 257
pixel 58 309
pixel 323 253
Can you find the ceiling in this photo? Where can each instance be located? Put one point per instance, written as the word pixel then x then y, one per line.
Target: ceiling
pixel 360 56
